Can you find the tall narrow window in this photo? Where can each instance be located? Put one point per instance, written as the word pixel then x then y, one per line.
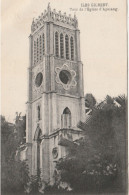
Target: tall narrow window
pixel 72 48
pixel 40 47
pixel 43 44
pixel 61 46
pixel 67 46
pixel 35 52
pixel 38 112
pixel 66 118
pixel 56 45
pixel 37 49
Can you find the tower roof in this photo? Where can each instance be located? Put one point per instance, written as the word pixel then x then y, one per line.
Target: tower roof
pixel 54 16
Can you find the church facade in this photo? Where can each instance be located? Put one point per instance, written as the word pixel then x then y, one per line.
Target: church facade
pixel 55 90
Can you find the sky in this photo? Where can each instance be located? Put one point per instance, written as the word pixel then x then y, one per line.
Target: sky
pixel 103 36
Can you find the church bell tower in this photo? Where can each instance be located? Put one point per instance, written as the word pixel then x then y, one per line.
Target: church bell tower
pixel 55 90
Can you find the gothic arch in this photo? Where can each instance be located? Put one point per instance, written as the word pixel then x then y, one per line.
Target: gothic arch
pixel 35 52
pixel 72 47
pixel 67 46
pixel 40 47
pixel 66 118
pixel 37 49
pixel 56 44
pixel 66 111
pixel 61 45
pixel 43 39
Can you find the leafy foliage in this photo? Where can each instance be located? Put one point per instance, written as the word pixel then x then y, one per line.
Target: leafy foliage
pixel 16 177
pixel 15 173
pixel 20 125
pixel 90 100
pixel 35 183
pixel 98 162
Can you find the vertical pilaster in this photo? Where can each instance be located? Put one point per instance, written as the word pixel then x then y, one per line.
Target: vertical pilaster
pixel 81 92
pixel 54 111
pixel 45 114
pixel 29 123
pixel 29 156
pixel 77 38
pixel 81 82
pixel 29 109
pixel 82 108
pixel 33 158
pixel 51 57
pixel 29 78
pixel 46 34
pixel 29 106
pixel 52 73
pixel 45 160
pixel 44 74
pixel 50 112
pixel 30 50
pixel 41 156
pixel 49 50
pixel 51 39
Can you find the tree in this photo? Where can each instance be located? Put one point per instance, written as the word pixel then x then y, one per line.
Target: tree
pixel 15 174
pixel 90 100
pixel 35 184
pixel 20 125
pixel 16 177
pixel 97 163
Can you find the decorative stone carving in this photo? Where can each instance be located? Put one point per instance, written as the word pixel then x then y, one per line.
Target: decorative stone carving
pixel 64 31
pixel 65 76
pixel 54 17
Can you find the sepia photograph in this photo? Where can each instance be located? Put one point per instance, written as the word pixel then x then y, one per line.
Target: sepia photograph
pixel 64 110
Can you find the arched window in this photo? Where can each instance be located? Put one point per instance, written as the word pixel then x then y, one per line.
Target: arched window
pixel 72 48
pixel 43 45
pixel 35 52
pixel 56 45
pixel 37 49
pixel 67 46
pixel 61 46
pixel 40 45
pixel 38 113
pixel 66 118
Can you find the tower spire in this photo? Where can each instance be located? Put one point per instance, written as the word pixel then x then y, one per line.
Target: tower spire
pixel 49 10
pixel 48 7
pixel 75 18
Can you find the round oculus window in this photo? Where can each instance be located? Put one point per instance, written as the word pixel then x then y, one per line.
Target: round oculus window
pixel 39 79
pixel 65 76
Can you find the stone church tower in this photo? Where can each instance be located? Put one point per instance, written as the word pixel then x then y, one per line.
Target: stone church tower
pixel 55 90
